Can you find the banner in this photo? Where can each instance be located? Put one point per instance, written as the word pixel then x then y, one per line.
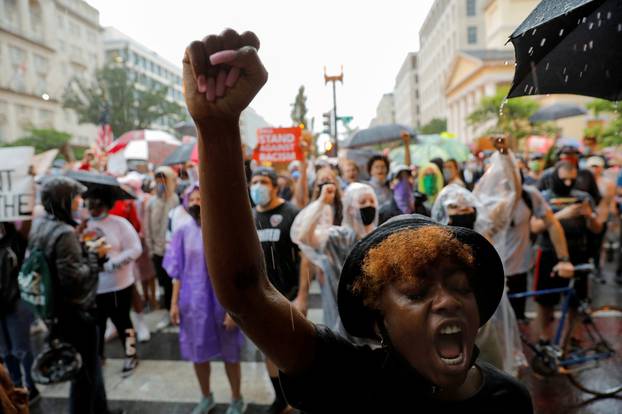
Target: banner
pixel 16 183
pixel 278 145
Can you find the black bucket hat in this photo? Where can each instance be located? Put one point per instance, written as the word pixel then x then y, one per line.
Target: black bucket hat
pixel 358 319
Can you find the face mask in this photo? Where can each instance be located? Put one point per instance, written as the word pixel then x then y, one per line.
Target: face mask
pixel 368 214
pixel 560 188
pixel 447 175
pixel 286 193
pixel 195 212
pixel 535 166
pixel 429 184
pixel 260 195
pixel 463 220
pixel 296 175
pixel 160 189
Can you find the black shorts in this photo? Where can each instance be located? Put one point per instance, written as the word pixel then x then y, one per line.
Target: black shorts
pixel 545 261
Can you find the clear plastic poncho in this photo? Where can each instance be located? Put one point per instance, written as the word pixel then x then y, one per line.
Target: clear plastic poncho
pixel 499 339
pixel 327 246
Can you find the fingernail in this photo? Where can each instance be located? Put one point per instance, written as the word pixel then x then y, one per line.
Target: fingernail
pixel 232 77
pixel 210 90
pixel 224 56
pixel 201 85
pixel 220 83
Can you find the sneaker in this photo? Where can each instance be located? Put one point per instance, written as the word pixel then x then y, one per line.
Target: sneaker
pixel 206 405
pixel 142 330
pixel 38 326
pixel 164 323
pixel 129 365
pixel 111 331
pixel 236 407
pixel 33 396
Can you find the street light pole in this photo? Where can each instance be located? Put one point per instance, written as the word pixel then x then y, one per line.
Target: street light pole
pixel 334 79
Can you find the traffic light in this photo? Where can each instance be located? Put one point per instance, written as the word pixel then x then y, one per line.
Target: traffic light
pixel 328 123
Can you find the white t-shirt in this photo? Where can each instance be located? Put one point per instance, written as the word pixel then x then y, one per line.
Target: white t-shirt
pixel 125 248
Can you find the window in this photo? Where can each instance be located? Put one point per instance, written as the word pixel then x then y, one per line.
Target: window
pixel 90 35
pixel 472 35
pixel 46 118
pixel 9 14
pixel 19 67
pixel 60 20
pixel 36 18
pixel 470 8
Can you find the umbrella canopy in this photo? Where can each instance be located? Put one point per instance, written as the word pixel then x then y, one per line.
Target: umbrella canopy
pixel 181 155
pixel 145 144
pixel 378 135
pixel 430 147
pixel 571 46
pixel 568 142
pixel 92 180
pixel 557 111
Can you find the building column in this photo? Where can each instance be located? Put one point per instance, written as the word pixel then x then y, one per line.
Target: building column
pixel 24 16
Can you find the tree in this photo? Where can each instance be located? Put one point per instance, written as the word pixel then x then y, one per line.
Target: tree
pixel 435 126
pixel 129 107
pixel 609 134
pixel 509 117
pixel 299 108
pixel 45 139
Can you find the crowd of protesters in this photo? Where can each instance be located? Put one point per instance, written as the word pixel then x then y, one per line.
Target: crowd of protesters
pixel 309 215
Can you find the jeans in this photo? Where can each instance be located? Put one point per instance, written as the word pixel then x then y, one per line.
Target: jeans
pixel 15 346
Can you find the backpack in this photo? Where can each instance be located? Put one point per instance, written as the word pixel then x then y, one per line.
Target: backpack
pixel 9 290
pixel 35 284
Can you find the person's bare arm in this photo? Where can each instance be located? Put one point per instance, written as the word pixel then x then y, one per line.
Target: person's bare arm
pixel 406 140
pixel 174 312
pixel 302 299
pixel 215 100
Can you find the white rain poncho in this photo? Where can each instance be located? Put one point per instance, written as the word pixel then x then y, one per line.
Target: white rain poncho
pixel 327 246
pixel 499 339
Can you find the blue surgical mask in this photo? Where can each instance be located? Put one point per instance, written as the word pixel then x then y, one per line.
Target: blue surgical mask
pixel 160 189
pixel 260 194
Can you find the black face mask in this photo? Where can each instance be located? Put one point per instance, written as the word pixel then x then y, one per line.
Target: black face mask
pixel 559 187
pixel 368 214
pixel 286 193
pixel 195 212
pixel 463 220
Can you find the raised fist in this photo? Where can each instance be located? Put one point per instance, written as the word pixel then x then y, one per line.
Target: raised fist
pixel 222 74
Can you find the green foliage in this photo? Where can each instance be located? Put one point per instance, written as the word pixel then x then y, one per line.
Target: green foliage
pixel 299 108
pixel 510 117
pixel 129 107
pixel 42 140
pixel 609 134
pixel 435 126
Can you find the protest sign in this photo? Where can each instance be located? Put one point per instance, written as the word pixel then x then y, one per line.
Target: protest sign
pixel 16 183
pixel 278 145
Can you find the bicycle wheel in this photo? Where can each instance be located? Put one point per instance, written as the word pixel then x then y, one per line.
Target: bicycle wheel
pixel 595 344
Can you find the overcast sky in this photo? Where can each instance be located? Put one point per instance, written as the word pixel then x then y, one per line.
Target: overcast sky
pixel 370 40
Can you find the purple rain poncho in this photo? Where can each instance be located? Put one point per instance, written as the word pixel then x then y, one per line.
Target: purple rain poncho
pixel 202 335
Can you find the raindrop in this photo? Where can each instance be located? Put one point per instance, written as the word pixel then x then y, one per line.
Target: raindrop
pixel 608 15
pixel 506 63
pixel 547 66
pixel 585 68
pixel 580 74
pixel 591 44
pixel 584 20
pixel 598 15
pixel 619 27
pixel 530 90
pixel 543 41
pixel 608 73
pixel 564 71
pixel 578 21
pixel 566 79
pixel 531 51
pixel 584 47
pixel 591 25
pixel 534 32
pixel 526 87
pixel 505 101
pixel 561 32
pixel 600 23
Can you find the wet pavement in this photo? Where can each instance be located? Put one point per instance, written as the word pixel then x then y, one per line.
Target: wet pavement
pixel 163 383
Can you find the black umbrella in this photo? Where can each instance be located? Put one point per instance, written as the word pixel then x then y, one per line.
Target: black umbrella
pixel 557 111
pixel 570 46
pixel 378 135
pixel 181 155
pixel 93 180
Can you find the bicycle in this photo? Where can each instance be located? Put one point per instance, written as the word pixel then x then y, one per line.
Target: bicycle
pixel 583 354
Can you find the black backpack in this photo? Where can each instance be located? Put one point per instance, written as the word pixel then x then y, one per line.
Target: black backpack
pixel 9 288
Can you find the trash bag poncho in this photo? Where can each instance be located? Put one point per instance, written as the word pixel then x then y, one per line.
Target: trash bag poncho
pixel 458 196
pixel 327 246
